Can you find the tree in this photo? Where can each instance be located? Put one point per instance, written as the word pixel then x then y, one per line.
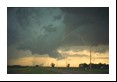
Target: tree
pixel 83 65
pixel 68 65
pixel 52 65
pixel 36 65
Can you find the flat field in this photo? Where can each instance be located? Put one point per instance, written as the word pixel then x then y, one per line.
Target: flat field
pixel 55 70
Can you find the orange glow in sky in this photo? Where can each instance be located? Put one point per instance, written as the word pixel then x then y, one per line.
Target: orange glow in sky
pixel 73 58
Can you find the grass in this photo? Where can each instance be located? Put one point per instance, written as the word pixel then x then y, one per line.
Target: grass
pixel 56 70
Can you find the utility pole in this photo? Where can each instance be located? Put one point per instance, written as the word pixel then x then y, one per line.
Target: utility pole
pixel 34 60
pixel 57 63
pixel 90 57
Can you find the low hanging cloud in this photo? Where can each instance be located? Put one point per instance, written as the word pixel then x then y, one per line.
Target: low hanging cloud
pixel 97 49
pixel 78 55
pixel 45 30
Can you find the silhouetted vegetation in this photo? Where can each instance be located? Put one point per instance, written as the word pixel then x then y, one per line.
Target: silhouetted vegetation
pixel 52 65
pixel 95 66
pixel 17 66
pixel 36 65
pixel 68 65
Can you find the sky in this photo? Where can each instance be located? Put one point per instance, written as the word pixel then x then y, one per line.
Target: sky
pixel 60 35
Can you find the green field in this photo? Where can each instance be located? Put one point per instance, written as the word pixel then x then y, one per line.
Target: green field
pixel 56 70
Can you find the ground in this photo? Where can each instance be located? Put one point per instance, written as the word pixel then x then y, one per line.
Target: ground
pixel 56 70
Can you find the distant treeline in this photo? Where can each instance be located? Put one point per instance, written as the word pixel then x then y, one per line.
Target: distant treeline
pixel 82 65
pixel 17 66
pixel 98 66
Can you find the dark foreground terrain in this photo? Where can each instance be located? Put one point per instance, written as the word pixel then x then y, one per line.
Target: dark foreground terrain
pixel 54 70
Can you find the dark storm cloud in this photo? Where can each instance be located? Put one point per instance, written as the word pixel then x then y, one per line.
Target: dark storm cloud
pixel 44 30
pixel 34 29
pixel 57 17
pixel 88 24
pixel 50 28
